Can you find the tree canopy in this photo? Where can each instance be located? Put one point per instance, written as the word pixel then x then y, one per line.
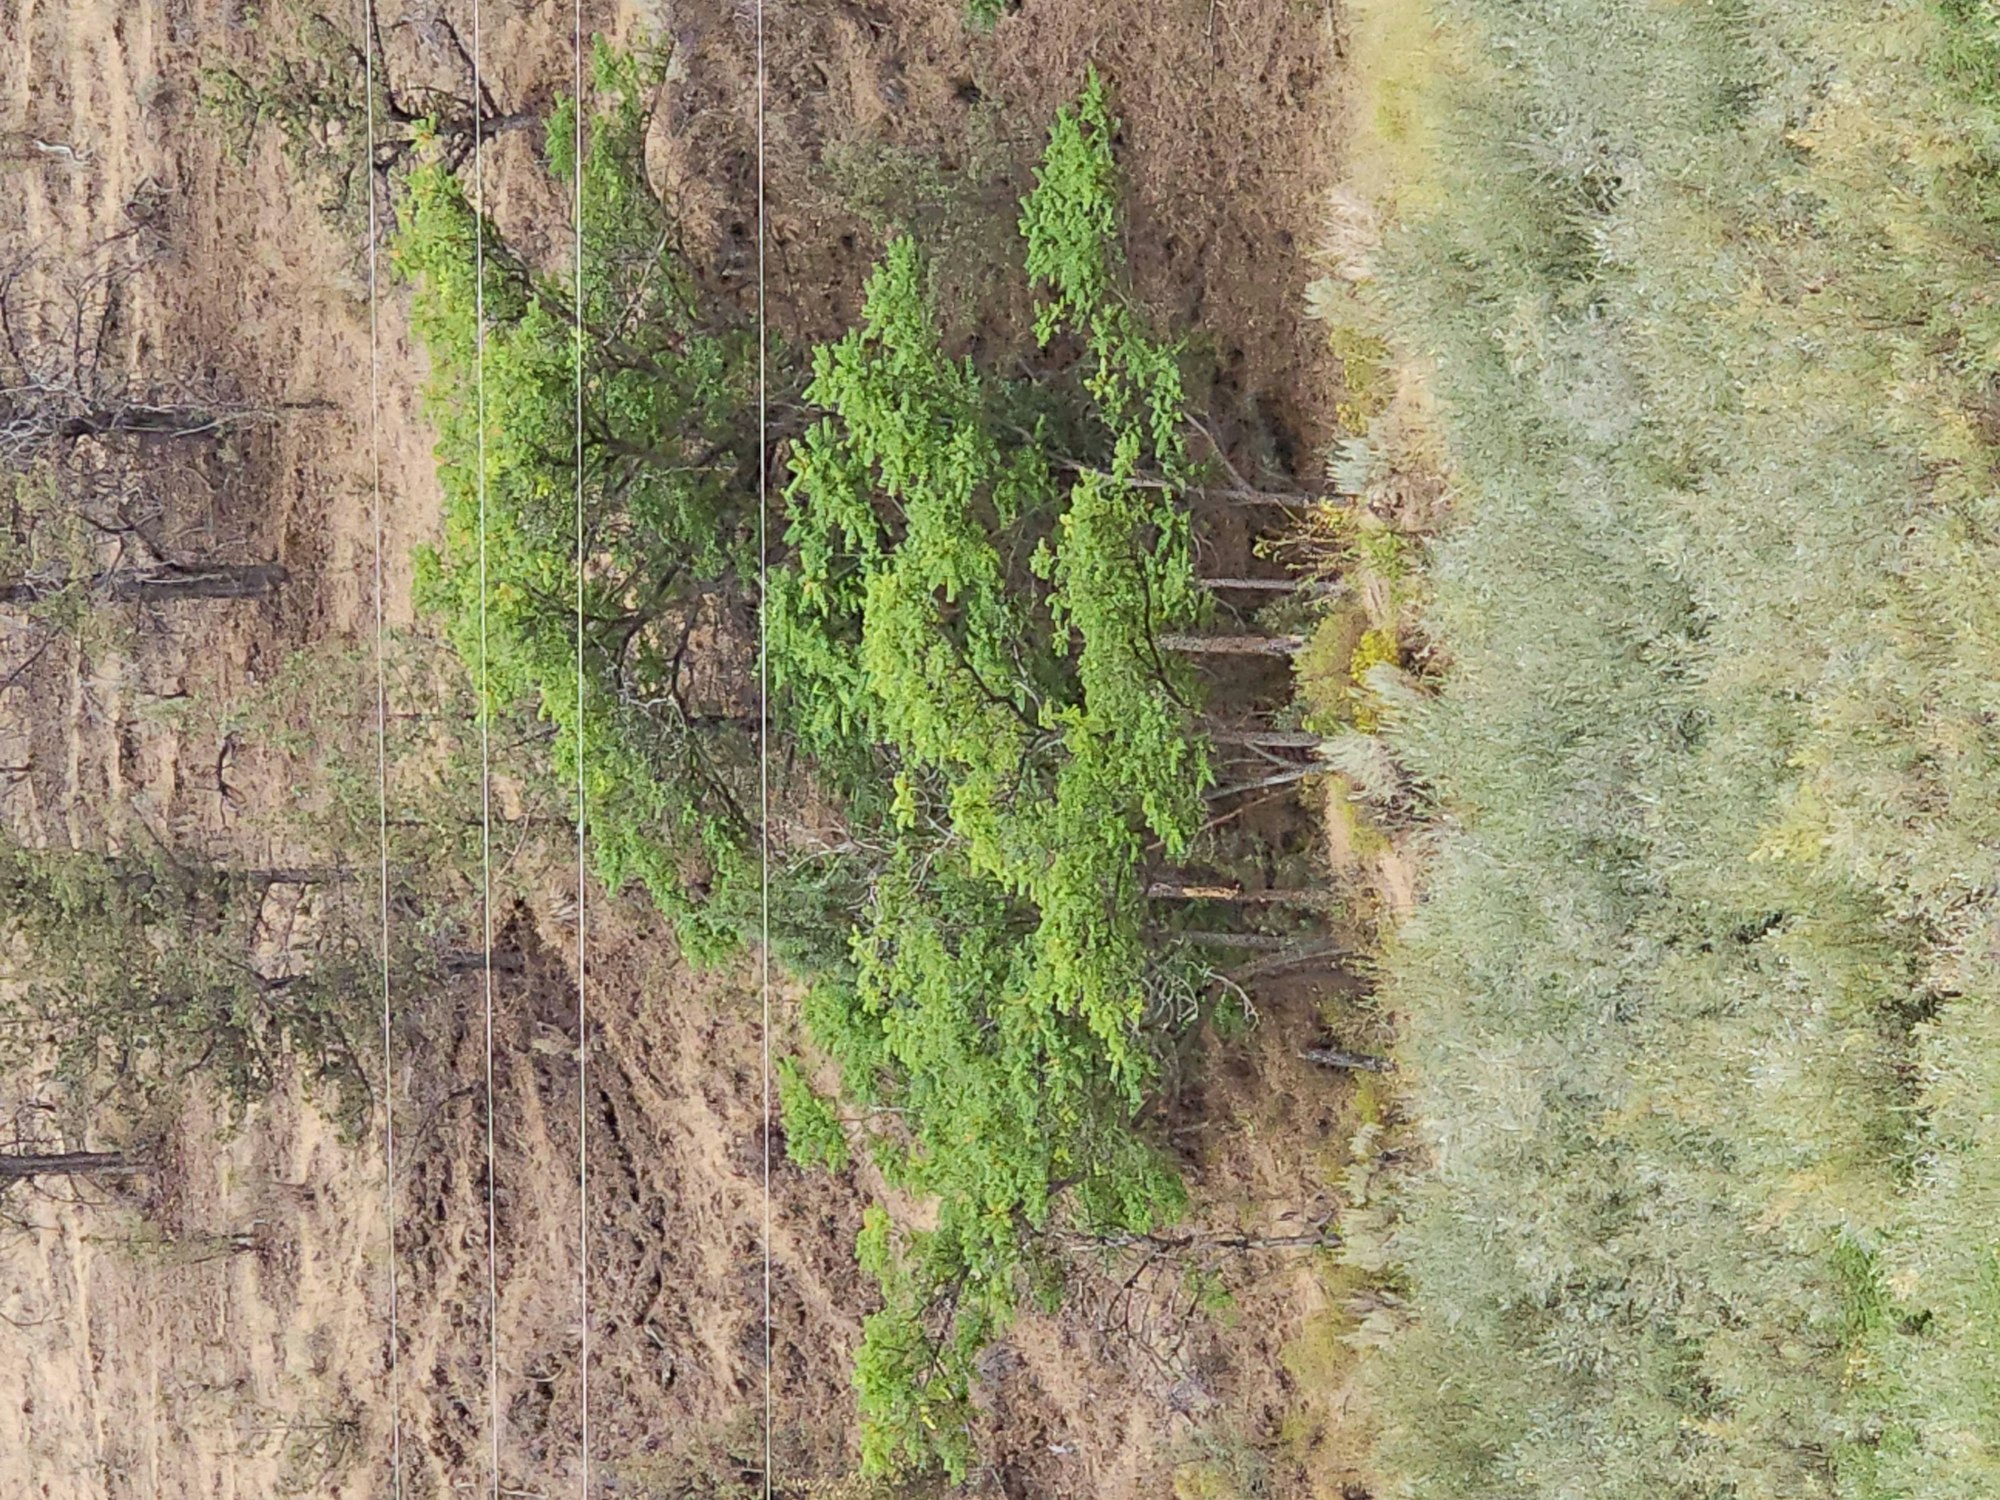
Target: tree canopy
pixel 668 493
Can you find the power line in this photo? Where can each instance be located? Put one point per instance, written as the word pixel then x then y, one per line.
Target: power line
pixel 485 747
pixel 582 1016
pixel 382 768
pixel 764 729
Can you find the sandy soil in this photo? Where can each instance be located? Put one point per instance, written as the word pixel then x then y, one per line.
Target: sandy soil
pixel 223 1330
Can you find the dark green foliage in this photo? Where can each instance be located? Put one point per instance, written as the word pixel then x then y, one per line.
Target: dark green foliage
pixel 310 86
pixel 135 973
pixel 669 490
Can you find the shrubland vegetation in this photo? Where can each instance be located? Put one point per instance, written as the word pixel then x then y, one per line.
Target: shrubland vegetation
pixel 1695 1016
pixel 1692 309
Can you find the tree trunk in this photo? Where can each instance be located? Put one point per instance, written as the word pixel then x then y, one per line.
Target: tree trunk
pixel 163 585
pixel 461 135
pixel 66 1164
pixel 223 881
pixel 1323 1238
pixel 520 119
pixel 1269 739
pixel 1298 956
pixel 152 421
pixel 1233 645
pixel 1247 942
pixel 1177 890
pixel 1283 778
pixel 1238 494
pixel 1283 498
pixel 1353 1062
pixel 490 125
pixel 219 581
pixel 293 874
pixel 531 820
pixel 471 961
pixel 171 420
pixel 1270 585
pixel 1279 953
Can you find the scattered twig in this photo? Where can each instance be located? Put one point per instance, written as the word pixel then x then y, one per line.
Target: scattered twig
pixel 63 151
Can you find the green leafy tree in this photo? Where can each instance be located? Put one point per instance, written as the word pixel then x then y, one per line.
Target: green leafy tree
pixel 982 571
pixel 969 631
pixel 669 463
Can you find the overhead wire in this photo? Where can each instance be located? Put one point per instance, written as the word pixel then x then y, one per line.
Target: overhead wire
pixel 764 729
pixel 382 762
pixel 485 748
pixel 582 1014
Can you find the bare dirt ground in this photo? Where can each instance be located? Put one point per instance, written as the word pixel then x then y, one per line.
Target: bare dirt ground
pixel 222 1331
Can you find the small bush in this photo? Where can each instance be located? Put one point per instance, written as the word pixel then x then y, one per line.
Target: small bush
pixel 814 1136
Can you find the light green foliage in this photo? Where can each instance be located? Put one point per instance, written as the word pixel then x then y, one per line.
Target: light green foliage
pixel 1219 1461
pixel 981 568
pixel 1706 292
pixel 1357 342
pixel 814 1136
pixel 669 475
pixel 1376 648
pixel 1070 222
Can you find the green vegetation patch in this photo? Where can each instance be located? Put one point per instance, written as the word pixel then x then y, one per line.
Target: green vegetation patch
pixel 1706 295
pixel 972 616
pixel 669 485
